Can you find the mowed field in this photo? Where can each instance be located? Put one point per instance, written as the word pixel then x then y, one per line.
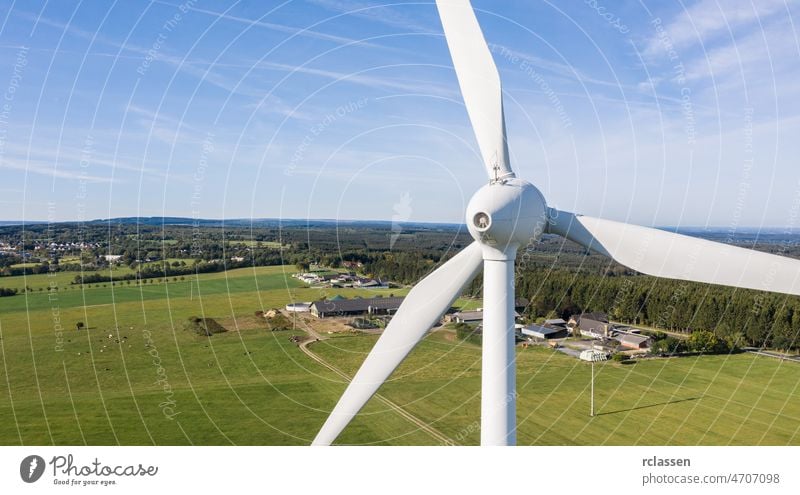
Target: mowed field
pixel 134 376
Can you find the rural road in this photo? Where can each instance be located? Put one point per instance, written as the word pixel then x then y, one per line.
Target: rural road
pixel 433 432
pixel 774 355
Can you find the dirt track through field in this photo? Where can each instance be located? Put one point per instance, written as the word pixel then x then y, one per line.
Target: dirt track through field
pixel 433 432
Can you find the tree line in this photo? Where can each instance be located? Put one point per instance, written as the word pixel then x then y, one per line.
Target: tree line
pixel 752 317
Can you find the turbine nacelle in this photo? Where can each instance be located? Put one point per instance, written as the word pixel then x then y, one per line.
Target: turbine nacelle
pixel 504 215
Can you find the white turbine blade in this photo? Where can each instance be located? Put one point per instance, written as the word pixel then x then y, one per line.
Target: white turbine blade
pixel 665 254
pixel 420 311
pixel 479 81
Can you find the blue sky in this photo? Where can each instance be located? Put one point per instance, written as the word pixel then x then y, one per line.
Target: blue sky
pixel 656 113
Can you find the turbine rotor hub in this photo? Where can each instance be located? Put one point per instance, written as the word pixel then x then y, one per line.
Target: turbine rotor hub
pixel 505 214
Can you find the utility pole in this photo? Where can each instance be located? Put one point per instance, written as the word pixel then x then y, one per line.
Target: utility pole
pixel 591 407
pixel 591 410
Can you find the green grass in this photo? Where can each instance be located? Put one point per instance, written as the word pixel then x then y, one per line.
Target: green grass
pixel 253 243
pixel 25 265
pixel 61 279
pixel 256 387
pixel 709 400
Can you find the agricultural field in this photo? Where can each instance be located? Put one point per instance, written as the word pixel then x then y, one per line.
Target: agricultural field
pixel 135 375
pixel 740 399
pixel 254 243
pixel 61 279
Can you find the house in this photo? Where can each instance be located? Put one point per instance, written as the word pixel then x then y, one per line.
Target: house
pixel 574 320
pixel 237 259
pixel 633 341
pixel 356 307
pixel 543 332
pixel 468 317
pixel 111 258
pixel 593 325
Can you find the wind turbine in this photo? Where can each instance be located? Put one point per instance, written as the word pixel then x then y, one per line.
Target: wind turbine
pixel 509 212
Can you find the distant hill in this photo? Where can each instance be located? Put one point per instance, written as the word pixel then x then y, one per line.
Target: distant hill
pixel 745 235
pixel 253 222
pixel 12 223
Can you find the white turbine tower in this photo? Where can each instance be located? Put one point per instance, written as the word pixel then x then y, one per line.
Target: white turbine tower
pixel 509 212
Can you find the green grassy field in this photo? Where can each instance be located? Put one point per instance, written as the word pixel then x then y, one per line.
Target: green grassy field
pixel 709 400
pixel 61 279
pixel 254 243
pixel 152 382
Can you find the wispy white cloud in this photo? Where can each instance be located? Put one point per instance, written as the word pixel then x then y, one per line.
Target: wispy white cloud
pixel 379 13
pixel 199 69
pixel 281 28
pixel 359 78
pixel 560 74
pixel 47 169
pixel 763 51
pixel 70 157
pixel 160 126
pixel 708 19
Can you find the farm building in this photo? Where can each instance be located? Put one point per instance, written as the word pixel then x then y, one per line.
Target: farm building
pixel 303 307
pixel 556 322
pixel 544 332
pixel 633 341
pixel 367 283
pixel 470 317
pixel 356 307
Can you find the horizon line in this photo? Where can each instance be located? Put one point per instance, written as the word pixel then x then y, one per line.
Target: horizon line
pixel 14 223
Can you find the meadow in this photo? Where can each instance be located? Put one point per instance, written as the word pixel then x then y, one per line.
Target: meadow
pixel 133 375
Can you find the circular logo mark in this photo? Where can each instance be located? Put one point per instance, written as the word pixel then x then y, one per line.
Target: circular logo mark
pixel 31 468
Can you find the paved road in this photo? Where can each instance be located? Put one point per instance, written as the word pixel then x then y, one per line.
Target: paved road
pixel 433 432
